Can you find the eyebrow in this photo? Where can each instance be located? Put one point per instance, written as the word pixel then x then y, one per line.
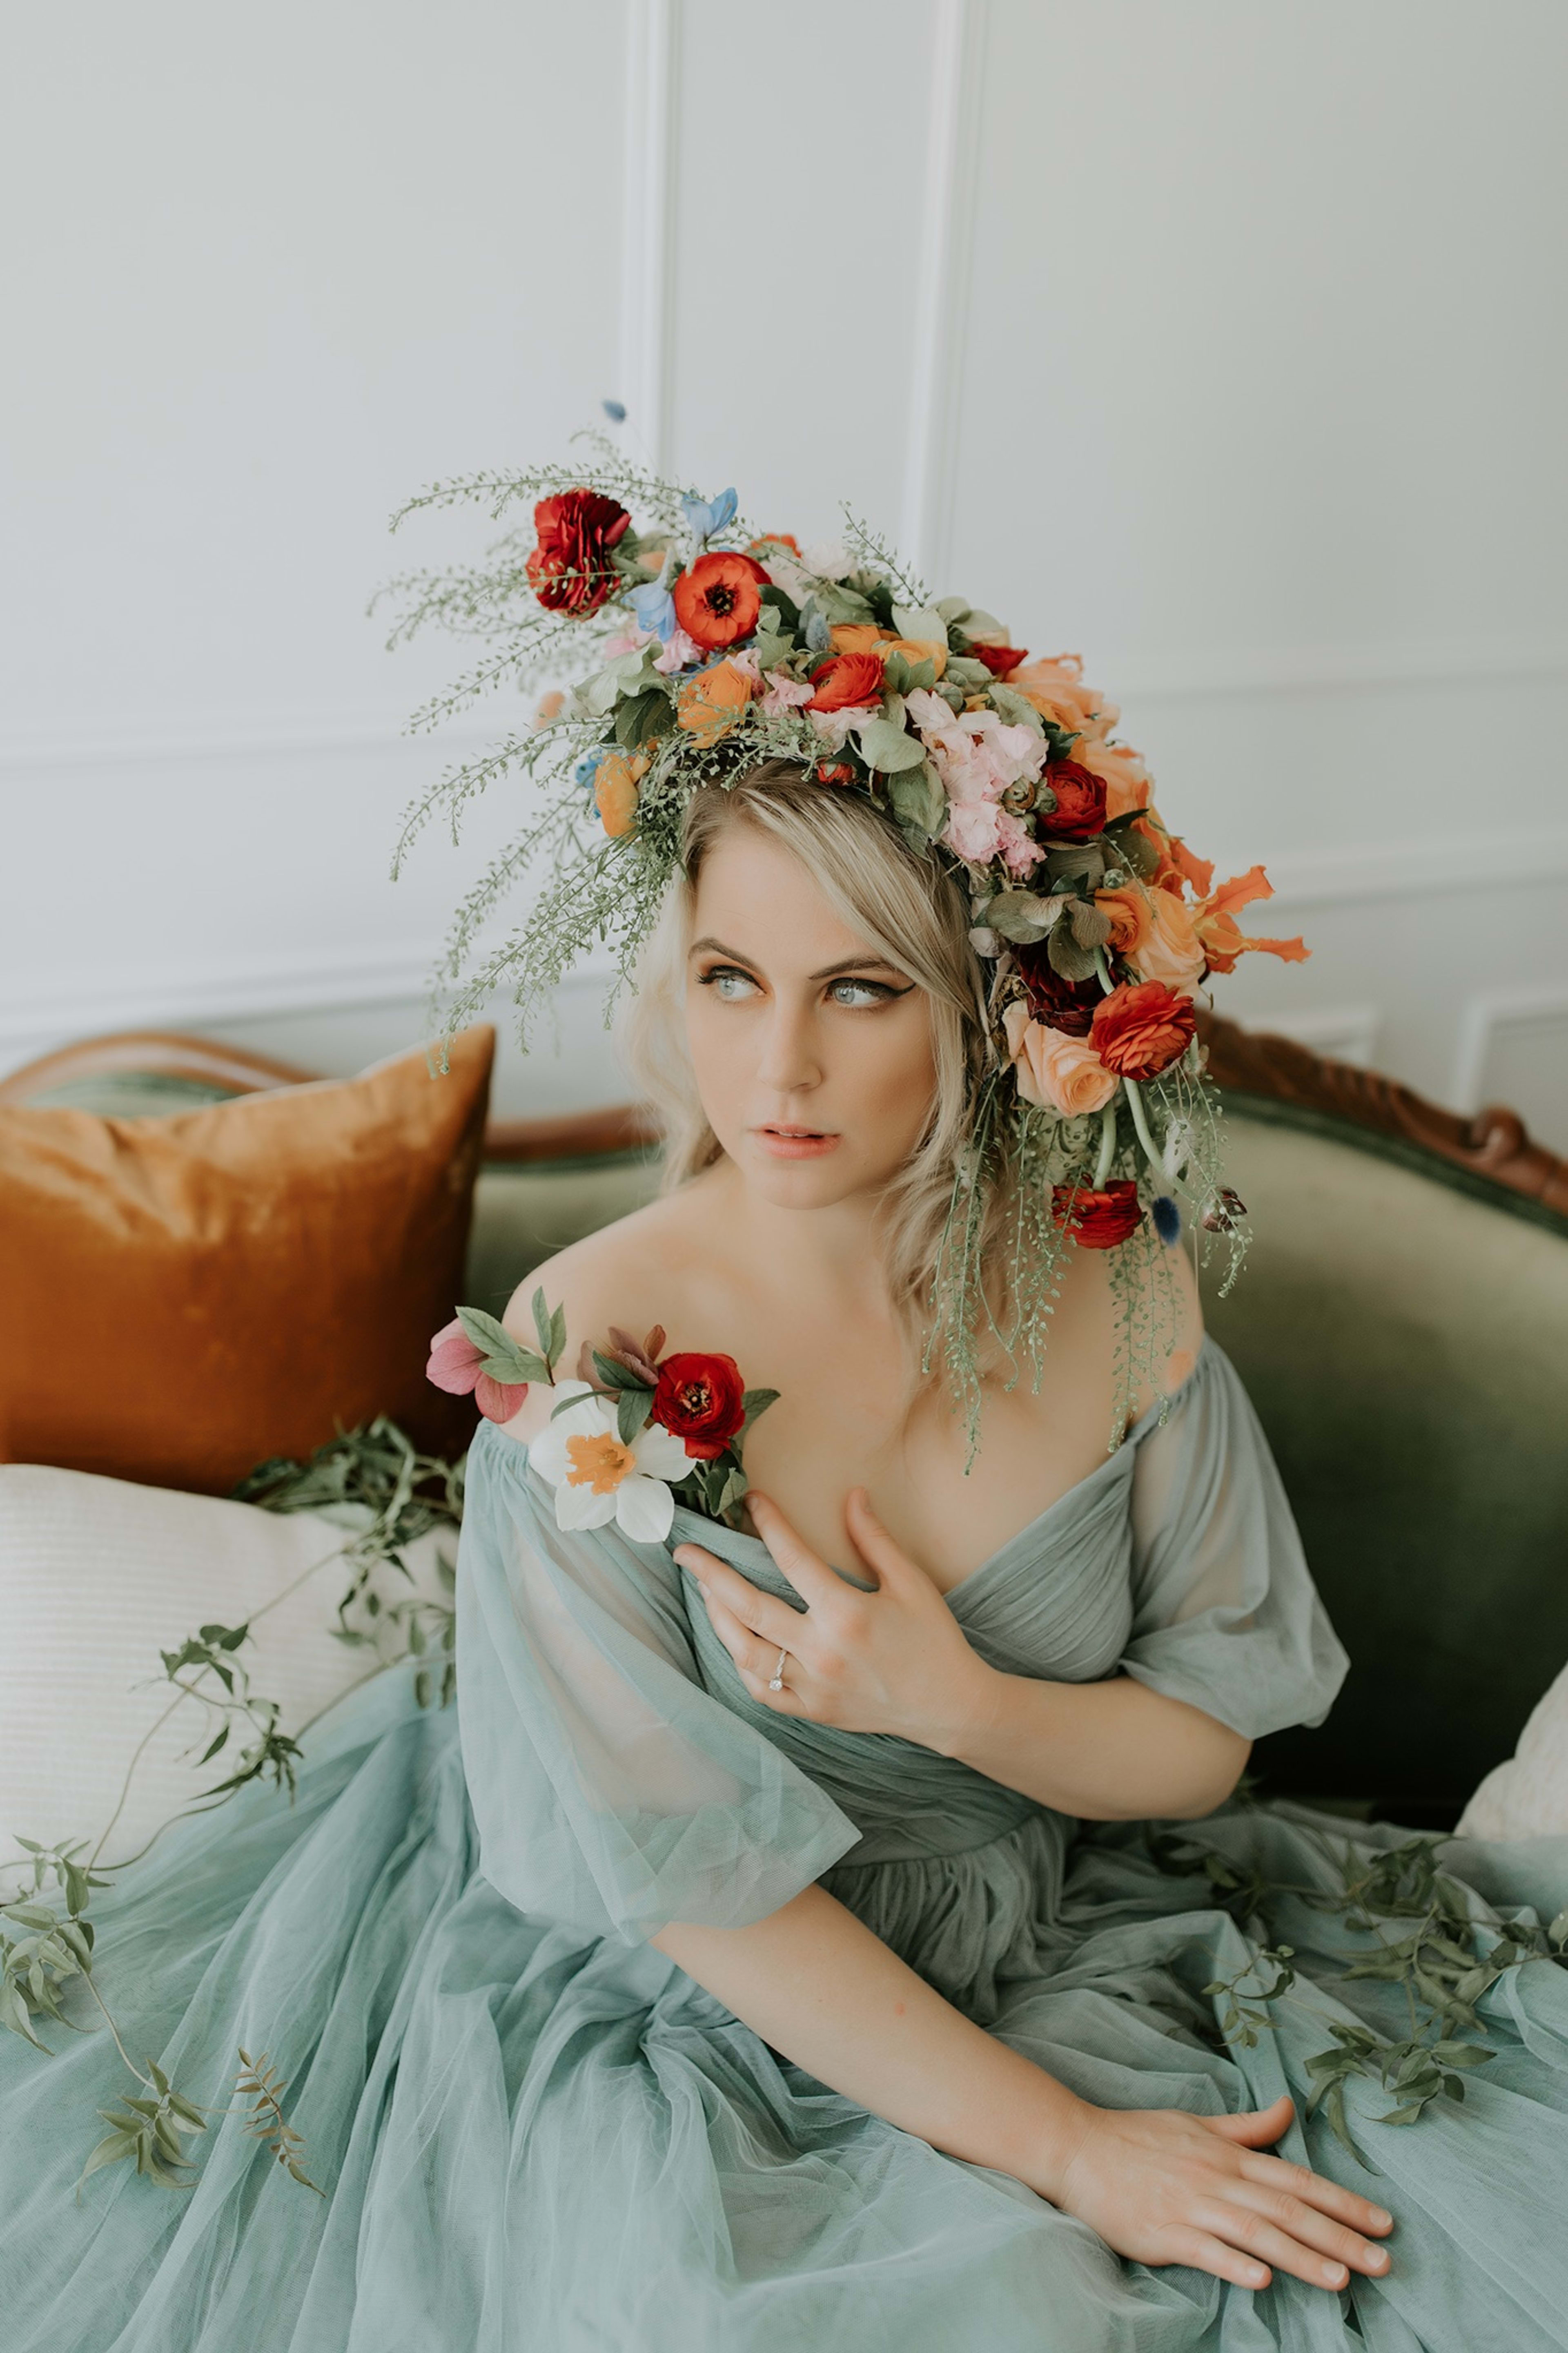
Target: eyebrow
pixel 871 963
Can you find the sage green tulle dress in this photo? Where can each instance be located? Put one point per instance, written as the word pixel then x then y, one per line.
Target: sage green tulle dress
pixel 537 2135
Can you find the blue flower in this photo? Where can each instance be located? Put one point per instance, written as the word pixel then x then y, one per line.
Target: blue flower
pixel 655 608
pixel 587 767
pixel 1167 1219
pixel 703 517
pixel 616 410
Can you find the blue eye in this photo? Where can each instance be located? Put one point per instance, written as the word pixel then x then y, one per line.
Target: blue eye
pixel 728 983
pixel 861 992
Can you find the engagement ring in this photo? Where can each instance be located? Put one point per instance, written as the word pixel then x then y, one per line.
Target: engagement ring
pixel 777 1681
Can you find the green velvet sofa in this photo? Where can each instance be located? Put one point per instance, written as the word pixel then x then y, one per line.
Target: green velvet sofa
pixel 1401 1324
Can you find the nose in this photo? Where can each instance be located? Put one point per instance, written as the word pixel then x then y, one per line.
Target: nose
pixel 790 1061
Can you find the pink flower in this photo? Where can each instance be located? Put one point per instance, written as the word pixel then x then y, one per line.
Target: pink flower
pixel 679 652
pixel 626 641
pixel 835 727
pixel 454 1366
pixel 785 693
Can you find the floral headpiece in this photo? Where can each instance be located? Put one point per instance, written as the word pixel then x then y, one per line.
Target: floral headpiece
pixel 698 647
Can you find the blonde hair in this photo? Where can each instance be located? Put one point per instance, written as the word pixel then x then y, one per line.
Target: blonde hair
pixel 912 911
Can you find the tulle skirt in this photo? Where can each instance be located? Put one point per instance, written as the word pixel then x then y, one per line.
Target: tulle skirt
pixel 529 2143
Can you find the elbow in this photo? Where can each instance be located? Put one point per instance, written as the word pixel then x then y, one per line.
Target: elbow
pixel 1217 1777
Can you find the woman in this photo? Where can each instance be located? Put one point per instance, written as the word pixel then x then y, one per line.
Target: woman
pixel 774 1949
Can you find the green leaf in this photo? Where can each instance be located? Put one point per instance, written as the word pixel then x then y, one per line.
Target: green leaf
pixel 924 623
pixel 1066 956
pixel 631 1412
pixel 1024 916
pixel 1461 2054
pixel 1015 708
pixel 918 800
pixel 642 717
pixel 888 749
pixel 755 1402
pixel 501 1357
pixel 615 1374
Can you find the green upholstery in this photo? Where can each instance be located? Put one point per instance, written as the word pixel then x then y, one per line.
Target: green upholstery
pixel 527 1212
pixel 1403 1329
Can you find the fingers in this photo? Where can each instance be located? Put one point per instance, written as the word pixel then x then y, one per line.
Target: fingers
pixel 1292 2235
pixel 1258 2127
pixel 754 1661
pixel 875 1545
pixel 1317 2189
pixel 806 1571
pixel 763 1613
pixel 1205 2252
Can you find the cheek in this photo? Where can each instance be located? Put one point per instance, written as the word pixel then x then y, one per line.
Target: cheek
pixel 894 1082
pixel 723 1053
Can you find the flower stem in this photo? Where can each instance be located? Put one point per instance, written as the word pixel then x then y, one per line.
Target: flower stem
pixel 1107 1144
pixel 1141 1122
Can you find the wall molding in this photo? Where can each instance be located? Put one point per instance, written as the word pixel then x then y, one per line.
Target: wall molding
pixel 1483 1016
pixel 941 297
pixel 1357 871
pixel 224 735
pixel 647 234
pixel 1348 1032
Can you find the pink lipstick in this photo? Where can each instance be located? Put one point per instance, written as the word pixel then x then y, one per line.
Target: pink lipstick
pixel 795 1142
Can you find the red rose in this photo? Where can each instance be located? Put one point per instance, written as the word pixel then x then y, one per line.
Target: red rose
pixel 841 772
pixel 1098 1220
pixel 846 682
pixel 999 660
pixel 1080 802
pixel 718 600
pixel 1065 1005
pixel 700 1399
pixel 568 570
pixel 1140 1029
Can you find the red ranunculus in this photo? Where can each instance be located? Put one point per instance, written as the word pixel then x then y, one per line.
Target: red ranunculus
pixel 999 660
pixel 1065 1005
pixel 841 772
pixel 700 1399
pixel 1141 1029
pixel 844 682
pixel 1098 1220
pixel 569 571
pixel 718 600
pixel 1080 802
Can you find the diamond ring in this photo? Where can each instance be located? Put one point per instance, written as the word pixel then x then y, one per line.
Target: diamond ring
pixel 777 1681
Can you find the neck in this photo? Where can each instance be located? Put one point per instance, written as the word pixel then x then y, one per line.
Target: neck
pixel 833 1253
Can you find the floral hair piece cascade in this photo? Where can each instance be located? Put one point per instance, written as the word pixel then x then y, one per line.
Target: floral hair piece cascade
pixel 696 646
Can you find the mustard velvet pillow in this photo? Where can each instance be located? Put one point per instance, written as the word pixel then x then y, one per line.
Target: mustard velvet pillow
pixel 183 1297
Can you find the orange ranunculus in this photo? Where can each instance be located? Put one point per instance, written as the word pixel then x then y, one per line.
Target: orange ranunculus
pixel 717 602
pixel 1059 1073
pixel 1057 690
pixel 919 649
pixel 1222 937
pixel 709 704
pixel 1131 919
pixel 1140 1031
pixel 616 782
pixel 1172 951
pixel 1125 776
pixel 858 637
pixel 846 683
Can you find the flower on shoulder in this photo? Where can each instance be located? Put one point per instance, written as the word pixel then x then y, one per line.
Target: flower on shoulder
pixel 570 570
pixel 598 1476
pixel 455 1366
pixel 1102 1220
pixel 1141 1029
pixel 701 1400
pixel 709 704
pixel 718 600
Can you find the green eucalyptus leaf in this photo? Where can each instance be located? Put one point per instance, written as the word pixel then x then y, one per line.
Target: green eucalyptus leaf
pixel 1015 708
pixel 1024 916
pixel 888 749
pixel 919 800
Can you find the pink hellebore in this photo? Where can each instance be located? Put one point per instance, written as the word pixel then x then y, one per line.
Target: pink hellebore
pixel 454 1366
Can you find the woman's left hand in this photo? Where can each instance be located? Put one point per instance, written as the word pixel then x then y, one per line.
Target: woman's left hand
pixel 893 1660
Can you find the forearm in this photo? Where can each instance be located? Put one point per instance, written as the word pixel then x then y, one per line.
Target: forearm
pixel 815 1983
pixel 1111 1751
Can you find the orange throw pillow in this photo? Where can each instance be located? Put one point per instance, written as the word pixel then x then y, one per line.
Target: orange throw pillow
pixel 183 1297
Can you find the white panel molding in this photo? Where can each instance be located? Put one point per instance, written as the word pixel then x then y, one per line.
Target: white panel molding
pixel 1481 1019
pixel 1359 870
pixel 1346 1031
pixel 1324 670
pixel 942 300
pixel 647 234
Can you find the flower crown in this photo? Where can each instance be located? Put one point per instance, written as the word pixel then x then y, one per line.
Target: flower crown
pixel 696 647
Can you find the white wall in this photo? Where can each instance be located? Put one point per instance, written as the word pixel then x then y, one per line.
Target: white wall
pixel 1223 343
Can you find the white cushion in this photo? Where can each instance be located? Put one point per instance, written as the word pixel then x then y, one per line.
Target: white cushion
pixel 99 1576
pixel 1528 1797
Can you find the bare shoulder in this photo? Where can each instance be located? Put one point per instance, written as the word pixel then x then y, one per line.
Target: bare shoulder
pixel 635 1272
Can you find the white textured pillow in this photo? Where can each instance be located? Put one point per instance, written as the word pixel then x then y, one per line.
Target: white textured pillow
pixel 1528 1797
pixel 97 1576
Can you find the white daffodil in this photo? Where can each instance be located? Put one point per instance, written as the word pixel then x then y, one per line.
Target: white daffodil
pixel 598 1478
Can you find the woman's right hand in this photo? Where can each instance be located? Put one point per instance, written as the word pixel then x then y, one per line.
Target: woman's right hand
pixel 1165 2187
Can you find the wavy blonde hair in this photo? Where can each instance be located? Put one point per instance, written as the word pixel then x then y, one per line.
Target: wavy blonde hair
pixel 912 911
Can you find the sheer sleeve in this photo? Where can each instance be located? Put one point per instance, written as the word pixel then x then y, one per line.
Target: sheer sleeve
pixel 611 1791
pixel 1226 1614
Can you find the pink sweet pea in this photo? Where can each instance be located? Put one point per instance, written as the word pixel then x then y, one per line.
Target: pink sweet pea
pixel 454 1366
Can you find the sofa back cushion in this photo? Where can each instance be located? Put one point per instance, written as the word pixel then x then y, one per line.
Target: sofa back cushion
pixel 182 1296
pixel 1401 1327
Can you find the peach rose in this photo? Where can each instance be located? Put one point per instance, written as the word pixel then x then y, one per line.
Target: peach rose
pixel 1127 779
pixel 1057 690
pixel 616 782
pixel 1130 917
pixel 1059 1073
pixel 709 704
pixel 856 637
pixel 918 650
pixel 1172 950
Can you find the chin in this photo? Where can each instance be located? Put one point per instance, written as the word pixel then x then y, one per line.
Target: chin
pixel 814 1184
